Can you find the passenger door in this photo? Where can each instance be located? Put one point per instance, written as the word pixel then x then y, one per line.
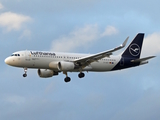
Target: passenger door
pixel 27 56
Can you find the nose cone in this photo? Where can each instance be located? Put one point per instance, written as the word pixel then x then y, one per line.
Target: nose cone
pixel 7 61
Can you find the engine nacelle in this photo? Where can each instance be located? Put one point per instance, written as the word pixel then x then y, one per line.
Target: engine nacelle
pixel 45 73
pixel 65 66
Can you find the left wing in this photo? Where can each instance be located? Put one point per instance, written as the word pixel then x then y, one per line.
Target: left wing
pixel 84 61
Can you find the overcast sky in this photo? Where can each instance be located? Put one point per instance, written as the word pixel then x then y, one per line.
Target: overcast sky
pixel 84 26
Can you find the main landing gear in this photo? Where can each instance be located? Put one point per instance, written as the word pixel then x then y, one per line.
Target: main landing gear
pixel 68 79
pixel 81 75
pixel 25 72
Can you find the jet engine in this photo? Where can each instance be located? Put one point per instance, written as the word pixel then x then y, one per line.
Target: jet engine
pixel 66 66
pixel 45 73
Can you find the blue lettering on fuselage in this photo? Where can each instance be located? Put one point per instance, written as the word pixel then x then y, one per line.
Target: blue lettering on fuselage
pixel 42 53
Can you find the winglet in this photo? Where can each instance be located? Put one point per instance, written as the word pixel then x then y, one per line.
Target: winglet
pixel 122 45
pixel 125 42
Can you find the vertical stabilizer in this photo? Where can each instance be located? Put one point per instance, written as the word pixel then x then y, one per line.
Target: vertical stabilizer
pixel 135 47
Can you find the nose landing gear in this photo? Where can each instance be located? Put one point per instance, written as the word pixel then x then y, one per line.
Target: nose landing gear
pixel 25 72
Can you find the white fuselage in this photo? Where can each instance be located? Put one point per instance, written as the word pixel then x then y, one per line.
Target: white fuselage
pixel 49 60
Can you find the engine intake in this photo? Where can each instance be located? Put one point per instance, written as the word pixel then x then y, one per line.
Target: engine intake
pixel 45 73
pixel 65 66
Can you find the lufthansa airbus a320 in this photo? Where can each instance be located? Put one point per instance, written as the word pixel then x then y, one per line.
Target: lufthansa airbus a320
pixel 52 63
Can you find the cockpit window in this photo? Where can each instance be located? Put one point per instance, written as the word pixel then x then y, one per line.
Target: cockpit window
pixel 15 55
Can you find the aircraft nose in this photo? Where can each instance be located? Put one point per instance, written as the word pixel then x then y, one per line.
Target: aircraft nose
pixel 7 61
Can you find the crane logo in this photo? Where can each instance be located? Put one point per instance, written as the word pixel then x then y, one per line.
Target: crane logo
pixel 134 49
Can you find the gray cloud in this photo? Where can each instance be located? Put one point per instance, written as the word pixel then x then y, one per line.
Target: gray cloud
pixel 13 21
pixel 81 37
pixel 151 44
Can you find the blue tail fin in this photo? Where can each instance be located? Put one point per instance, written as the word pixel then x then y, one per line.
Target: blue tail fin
pixel 135 47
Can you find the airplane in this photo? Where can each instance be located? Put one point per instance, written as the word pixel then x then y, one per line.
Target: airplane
pixel 52 63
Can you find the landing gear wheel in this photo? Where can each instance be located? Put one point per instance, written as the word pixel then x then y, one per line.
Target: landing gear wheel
pixel 81 75
pixel 24 75
pixel 67 79
pixel 25 72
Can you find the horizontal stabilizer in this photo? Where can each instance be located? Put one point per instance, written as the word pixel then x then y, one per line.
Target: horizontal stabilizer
pixel 143 59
